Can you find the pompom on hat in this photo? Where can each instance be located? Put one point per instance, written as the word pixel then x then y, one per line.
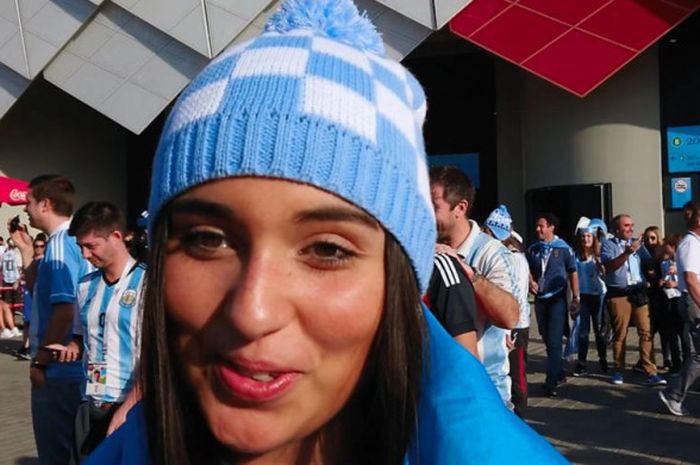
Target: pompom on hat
pixel 313 100
pixel 499 222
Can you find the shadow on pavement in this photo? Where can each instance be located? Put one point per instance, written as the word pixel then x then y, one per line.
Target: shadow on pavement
pixel 27 461
pixel 595 422
pixel 10 346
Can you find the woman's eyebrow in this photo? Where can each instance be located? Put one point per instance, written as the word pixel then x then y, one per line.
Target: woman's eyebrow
pixel 336 214
pixel 200 207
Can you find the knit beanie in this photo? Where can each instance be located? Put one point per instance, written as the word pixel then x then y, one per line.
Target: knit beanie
pixel 597 225
pixel 314 100
pixel 499 222
pixel 582 225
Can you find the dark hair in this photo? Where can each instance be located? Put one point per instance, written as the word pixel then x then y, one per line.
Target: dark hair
pixel 56 189
pixel 456 184
pixel 101 218
pixel 673 240
pixel 40 237
pixel 550 218
pixel 691 211
pixel 379 418
pixel 616 221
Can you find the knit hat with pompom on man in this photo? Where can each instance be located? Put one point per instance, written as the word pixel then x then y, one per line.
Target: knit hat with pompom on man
pixel 315 100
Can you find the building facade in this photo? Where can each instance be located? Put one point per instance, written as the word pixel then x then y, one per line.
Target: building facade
pixel 84 85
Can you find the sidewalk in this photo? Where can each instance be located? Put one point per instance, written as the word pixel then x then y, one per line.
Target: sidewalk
pixel 16 436
pixel 591 422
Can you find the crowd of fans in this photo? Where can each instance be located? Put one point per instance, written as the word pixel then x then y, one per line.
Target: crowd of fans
pixel 484 283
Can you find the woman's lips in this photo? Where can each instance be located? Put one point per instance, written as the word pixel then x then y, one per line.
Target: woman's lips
pixel 258 383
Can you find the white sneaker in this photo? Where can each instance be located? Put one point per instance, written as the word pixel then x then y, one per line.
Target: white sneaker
pixel 16 332
pixel 673 406
pixel 5 334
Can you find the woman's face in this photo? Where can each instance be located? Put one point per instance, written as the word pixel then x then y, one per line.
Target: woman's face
pixel 651 239
pixel 276 290
pixel 587 240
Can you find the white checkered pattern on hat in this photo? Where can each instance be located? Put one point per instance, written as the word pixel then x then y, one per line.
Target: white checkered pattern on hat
pixel 302 106
pixel 388 92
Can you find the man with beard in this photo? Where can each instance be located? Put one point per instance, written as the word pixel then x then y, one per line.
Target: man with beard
pixel 488 264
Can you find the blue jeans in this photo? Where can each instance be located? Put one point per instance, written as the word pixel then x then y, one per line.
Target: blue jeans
pixel 551 317
pixel 54 406
pixel 591 312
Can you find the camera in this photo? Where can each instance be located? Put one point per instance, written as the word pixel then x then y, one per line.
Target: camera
pixel 14 224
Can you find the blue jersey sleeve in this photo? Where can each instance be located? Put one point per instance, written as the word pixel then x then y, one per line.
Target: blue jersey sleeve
pixel 66 266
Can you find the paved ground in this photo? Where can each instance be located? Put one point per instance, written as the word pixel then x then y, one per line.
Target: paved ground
pixel 592 422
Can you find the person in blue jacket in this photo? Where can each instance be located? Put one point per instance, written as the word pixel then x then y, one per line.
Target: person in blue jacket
pixel 292 234
pixel 552 271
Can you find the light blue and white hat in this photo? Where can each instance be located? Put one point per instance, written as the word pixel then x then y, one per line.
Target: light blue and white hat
pixel 499 222
pixel 314 100
pixel 596 225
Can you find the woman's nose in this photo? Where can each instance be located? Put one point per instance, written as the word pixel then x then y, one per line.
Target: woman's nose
pixel 260 303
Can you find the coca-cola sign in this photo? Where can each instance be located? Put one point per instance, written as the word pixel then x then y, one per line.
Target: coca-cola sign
pixel 17 195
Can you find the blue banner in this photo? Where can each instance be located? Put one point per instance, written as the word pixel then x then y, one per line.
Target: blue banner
pixel 683 149
pixel 681 191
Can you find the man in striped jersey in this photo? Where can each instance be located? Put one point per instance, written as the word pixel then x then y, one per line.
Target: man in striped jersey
pixel 487 263
pixel 109 318
pixel 56 388
pixel 450 296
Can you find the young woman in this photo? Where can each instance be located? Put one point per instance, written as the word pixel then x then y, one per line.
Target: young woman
pixel 292 233
pixel 592 291
pixel 657 304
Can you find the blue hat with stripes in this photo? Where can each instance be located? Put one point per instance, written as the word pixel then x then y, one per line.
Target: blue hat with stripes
pixel 314 100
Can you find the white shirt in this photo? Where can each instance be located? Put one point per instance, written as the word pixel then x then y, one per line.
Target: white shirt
pixel 688 258
pixel 490 258
pixel 11 265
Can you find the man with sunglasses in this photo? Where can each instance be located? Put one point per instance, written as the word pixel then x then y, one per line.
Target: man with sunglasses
pixel 39 247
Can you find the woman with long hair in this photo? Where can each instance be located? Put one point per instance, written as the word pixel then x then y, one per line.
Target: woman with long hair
pixel 590 272
pixel 657 305
pixel 292 233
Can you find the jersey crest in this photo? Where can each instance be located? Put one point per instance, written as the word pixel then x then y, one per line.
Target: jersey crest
pixel 128 298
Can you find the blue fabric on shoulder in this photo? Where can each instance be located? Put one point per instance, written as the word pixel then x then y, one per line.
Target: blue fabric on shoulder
pixel 461 418
pixel 128 445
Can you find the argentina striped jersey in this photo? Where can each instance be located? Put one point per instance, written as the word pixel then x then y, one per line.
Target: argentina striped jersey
pixel 495 262
pixel 110 323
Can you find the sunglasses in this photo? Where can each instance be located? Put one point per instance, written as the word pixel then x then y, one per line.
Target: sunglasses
pixel 39 246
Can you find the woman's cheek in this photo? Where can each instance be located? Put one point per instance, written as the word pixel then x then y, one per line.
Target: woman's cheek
pixel 193 291
pixel 351 310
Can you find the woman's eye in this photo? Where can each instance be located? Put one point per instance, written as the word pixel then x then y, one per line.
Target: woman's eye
pixel 328 253
pixel 204 241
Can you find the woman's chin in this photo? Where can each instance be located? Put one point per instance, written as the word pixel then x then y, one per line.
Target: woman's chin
pixel 246 432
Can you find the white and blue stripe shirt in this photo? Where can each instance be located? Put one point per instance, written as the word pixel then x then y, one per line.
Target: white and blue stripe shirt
pixel 110 322
pixel 494 262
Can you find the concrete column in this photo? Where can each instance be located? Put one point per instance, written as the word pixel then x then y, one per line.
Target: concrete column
pixel 550 137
